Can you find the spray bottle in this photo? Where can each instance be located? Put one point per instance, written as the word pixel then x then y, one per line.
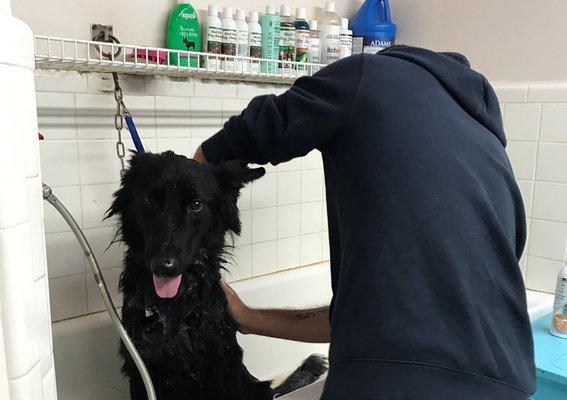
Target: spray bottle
pixel 559 317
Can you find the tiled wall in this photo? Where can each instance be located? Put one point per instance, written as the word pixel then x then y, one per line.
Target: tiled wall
pixel 283 214
pixel 535 119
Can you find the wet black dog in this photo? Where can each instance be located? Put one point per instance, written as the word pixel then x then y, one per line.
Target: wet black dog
pixel 174 215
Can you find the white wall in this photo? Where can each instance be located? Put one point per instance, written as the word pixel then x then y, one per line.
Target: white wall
pixel 535 120
pixel 508 40
pixel 283 214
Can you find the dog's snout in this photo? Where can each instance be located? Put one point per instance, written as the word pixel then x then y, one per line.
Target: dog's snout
pixel 164 264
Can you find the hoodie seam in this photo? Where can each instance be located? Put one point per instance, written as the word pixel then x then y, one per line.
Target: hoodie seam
pixel 431 365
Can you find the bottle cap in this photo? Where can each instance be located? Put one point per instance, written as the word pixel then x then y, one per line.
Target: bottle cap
pixel 344 24
pixel 285 10
pixel 330 6
pixel 227 12
pixel 182 1
pixel 213 10
pixel 241 14
pixel 271 9
pixel 253 16
pixel 313 24
pixel 300 13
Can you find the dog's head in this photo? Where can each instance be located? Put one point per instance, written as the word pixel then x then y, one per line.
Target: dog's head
pixel 173 210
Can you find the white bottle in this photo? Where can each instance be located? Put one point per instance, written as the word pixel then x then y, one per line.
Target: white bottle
pixel 287 36
pixel 242 49
pixel 330 34
pixel 346 39
pixel 559 317
pixel 212 37
pixel 314 42
pixel 254 41
pixel 228 39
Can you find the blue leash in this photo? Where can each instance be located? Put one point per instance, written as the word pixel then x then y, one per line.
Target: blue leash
pixel 134 132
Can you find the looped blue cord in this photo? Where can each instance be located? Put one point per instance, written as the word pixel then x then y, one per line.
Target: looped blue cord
pixel 134 133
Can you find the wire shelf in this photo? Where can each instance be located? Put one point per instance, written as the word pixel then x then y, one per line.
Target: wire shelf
pixel 52 53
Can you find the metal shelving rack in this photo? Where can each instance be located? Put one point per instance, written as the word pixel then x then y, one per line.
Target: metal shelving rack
pixel 52 53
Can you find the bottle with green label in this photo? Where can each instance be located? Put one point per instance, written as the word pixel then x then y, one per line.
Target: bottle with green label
pixel 287 36
pixel 270 23
pixel 183 34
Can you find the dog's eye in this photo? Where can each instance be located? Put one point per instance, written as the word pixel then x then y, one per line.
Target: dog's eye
pixel 150 202
pixel 196 205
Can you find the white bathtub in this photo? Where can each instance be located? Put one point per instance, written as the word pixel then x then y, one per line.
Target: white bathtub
pixel 88 368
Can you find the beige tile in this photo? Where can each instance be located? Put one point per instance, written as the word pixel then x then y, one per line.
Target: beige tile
pixel 264 258
pixel 523 158
pixel 552 162
pixel 542 274
pixel 550 200
pixel 522 121
pixel 68 296
pixel 548 239
pixel 554 123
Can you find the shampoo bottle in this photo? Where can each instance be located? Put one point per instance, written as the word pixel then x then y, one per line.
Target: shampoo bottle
pixel 559 318
pixel 212 37
pixel 330 34
pixel 242 49
pixel 228 39
pixel 287 36
pixel 314 42
pixel 183 34
pixel 301 37
pixel 270 23
pixel 346 39
pixel 255 41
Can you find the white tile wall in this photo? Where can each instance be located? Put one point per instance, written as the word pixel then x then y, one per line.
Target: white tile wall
pixel 79 162
pixel 535 120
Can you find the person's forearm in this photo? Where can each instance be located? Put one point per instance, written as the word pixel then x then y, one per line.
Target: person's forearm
pixel 301 325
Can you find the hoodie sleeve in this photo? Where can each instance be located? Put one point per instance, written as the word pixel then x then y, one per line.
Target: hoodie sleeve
pixel 275 129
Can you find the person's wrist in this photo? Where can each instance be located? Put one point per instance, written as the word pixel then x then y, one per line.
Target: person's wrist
pixel 248 320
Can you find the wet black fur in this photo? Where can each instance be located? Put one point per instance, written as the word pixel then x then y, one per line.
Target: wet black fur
pixel 172 208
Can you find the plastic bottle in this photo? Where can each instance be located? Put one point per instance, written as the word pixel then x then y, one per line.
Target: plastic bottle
pixel 301 37
pixel 559 317
pixel 330 34
pixel 287 36
pixel 242 48
pixel 346 39
pixel 270 23
pixel 228 39
pixel 212 36
pixel 183 34
pixel 373 27
pixel 314 42
pixel 255 41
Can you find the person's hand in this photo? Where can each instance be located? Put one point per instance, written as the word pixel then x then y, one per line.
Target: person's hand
pixel 200 156
pixel 239 311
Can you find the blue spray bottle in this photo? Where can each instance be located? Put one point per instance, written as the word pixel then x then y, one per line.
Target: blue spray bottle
pixel 372 27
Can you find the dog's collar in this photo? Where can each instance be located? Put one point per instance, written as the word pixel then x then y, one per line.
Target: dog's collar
pixel 149 312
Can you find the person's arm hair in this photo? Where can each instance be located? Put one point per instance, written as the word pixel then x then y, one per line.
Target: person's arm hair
pixel 276 129
pixel 311 325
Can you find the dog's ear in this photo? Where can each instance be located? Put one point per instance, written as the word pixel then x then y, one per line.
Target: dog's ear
pixel 231 177
pixel 234 175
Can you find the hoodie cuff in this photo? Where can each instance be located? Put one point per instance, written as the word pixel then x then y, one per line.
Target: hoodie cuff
pixel 217 149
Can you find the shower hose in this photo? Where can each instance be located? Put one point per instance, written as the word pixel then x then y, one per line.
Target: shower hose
pixel 54 201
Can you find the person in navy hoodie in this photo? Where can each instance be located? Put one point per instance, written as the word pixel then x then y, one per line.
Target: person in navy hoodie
pixel 426 227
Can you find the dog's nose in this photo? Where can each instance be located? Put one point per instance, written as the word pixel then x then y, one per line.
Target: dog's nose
pixel 164 264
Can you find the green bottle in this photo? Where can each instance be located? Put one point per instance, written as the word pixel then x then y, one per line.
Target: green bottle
pixel 183 34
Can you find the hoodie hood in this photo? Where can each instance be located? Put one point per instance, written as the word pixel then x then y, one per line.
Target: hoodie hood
pixel 470 89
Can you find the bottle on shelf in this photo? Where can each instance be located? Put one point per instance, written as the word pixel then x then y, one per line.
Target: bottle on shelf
pixel 270 23
pixel 346 39
pixel 373 27
pixel 301 38
pixel 254 41
pixel 242 46
pixel 212 37
pixel 287 36
pixel 330 34
pixel 314 42
pixel 228 39
pixel 183 34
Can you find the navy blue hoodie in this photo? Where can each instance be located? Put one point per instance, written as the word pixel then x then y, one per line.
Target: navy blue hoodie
pixel 426 223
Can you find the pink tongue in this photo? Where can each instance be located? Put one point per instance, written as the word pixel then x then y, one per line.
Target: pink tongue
pixel 167 287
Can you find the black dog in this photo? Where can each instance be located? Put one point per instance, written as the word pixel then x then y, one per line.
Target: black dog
pixel 174 215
